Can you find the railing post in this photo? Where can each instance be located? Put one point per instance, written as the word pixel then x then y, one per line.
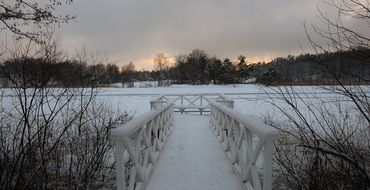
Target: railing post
pixel 267 165
pixel 182 104
pixel 201 105
pixel 151 105
pixel 201 100
pixel 120 166
pixel 182 100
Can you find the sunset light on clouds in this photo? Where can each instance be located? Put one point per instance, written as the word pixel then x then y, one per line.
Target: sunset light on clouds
pixel 135 31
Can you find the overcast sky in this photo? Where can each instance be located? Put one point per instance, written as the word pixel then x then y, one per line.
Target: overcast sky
pixel 136 30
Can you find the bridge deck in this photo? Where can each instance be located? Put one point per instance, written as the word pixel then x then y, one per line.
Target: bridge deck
pixel 193 159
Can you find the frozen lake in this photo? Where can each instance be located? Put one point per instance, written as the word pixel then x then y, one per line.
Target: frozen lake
pixel 249 99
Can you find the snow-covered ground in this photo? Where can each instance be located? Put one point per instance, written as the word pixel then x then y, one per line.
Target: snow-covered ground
pixel 249 99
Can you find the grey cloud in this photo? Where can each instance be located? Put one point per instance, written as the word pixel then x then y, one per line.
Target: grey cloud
pixel 130 30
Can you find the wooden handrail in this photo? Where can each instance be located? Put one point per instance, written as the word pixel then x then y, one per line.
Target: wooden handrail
pixel 251 122
pixel 237 134
pixel 135 124
pixel 142 140
pixel 191 102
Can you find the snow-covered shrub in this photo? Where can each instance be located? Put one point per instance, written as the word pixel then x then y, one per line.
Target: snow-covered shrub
pixel 53 138
pixel 326 141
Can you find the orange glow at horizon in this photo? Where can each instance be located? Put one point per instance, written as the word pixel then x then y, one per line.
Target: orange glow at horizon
pixel 259 58
pixel 148 64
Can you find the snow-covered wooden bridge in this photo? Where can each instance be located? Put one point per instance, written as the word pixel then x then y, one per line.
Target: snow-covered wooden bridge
pixel 206 145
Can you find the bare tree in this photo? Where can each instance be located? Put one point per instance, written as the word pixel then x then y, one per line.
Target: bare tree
pixel 113 73
pixel 32 18
pixel 326 139
pixel 52 138
pixel 325 143
pixel 161 63
pixel 343 37
pixel 127 72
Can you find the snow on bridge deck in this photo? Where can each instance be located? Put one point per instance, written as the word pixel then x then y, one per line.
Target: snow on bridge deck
pixel 193 159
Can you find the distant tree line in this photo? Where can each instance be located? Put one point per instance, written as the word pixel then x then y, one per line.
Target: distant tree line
pixel 199 68
pixel 351 66
pixel 196 67
pixel 28 72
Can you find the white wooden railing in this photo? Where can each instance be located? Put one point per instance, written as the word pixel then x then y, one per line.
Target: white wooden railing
pixel 185 103
pixel 223 100
pixel 244 139
pixel 158 102
pixel 142 140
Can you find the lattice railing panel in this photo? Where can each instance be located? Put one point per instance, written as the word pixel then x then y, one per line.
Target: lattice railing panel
pixel 191 102
pixel 244 144
pixel 142 139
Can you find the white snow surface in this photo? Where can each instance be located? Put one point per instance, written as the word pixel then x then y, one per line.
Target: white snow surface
pixel 250 99
pixel 193 159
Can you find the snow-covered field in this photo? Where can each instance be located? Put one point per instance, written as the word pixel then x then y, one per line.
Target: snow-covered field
pixel 136 100
pixel 249 99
